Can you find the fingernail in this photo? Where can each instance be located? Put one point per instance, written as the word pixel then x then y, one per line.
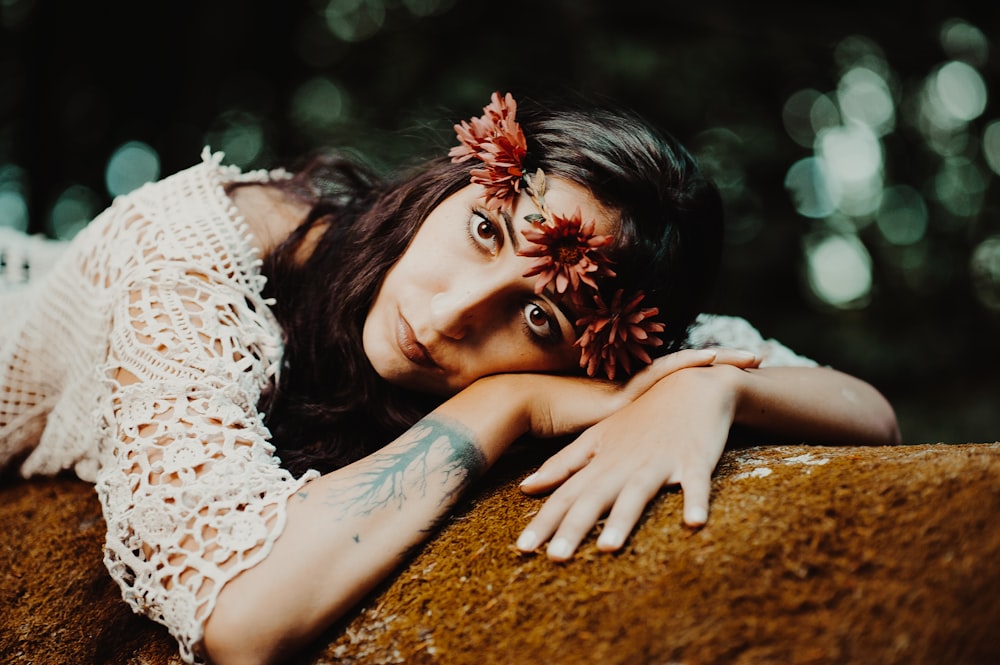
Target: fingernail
pixel 560 549
pixel 530 479
pixel 610 538
pixel 527 541
pixel 697 516
pixel 749 355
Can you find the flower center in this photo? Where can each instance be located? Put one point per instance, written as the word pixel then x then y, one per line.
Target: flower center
pixel 569 254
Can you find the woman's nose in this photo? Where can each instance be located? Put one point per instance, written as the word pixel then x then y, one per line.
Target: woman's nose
pixel 456 310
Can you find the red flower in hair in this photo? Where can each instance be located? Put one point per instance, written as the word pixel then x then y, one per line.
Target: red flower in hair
pixel 567 251
pixel 495 139
pixel 614 334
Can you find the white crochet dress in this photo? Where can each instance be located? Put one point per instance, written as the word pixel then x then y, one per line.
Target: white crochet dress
pixel 162 290
pixel 136 356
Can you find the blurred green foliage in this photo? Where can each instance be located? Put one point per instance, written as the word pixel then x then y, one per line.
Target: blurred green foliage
pixel 83 82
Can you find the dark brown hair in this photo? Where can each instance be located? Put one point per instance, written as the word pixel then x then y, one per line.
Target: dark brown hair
pixel 330 407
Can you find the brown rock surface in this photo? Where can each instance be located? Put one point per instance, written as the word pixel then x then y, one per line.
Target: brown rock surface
pixel 812 555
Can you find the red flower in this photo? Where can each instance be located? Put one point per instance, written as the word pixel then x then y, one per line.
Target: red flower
pixel 568 251
pixel 614 334
pixel 495 139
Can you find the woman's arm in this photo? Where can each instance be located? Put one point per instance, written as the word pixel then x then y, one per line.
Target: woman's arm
pixel 674 434
pixel 347 530
pixel 815 404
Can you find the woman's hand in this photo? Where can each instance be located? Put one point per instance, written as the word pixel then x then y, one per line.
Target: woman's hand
pixel 565 405
pixel 673 433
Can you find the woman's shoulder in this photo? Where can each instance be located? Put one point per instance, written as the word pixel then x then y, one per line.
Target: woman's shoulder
pixel 186 221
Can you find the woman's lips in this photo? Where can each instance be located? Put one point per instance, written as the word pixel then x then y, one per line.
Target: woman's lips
pixel 413 350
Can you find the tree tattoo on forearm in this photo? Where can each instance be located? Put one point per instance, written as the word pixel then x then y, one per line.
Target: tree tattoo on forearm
pixel 435 451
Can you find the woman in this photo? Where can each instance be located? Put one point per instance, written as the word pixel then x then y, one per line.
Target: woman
pixel 539 280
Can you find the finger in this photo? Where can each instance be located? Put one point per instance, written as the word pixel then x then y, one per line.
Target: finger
pixel 697 488
pixel 560 466
pixel 557 507
pixel 544 524
pixel 644 379
pixel 737 358
pixel 625 513
pixel 574 527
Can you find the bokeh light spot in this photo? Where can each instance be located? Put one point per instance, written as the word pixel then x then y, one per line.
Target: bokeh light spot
pixel 72 211
pixel 858 51
pixel 960 91
pixel 824 114
pixel 839 270
pixel 719 152
pixel 13 204
pixel 853 158
pixel 133 164
pixel 853 153
pixel 317 106
pixel 239 135
pixel 963 41
pixel 796 115
pixel 806 182
pixel 13 210
pixel 902 215
pixel 355 20
pixel 864 97
pixel 960 186
pixel 991 145
pixel 984 266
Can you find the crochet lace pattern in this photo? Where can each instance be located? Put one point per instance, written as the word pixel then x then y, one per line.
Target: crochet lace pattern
pixel 138 361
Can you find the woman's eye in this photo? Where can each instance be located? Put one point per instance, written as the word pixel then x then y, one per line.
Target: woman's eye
pixel 538 320
pixel 484 233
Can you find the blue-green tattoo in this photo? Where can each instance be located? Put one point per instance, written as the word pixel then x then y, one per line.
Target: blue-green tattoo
pixel 435 450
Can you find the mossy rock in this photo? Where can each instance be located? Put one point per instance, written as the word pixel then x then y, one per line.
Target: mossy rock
pixel 811 555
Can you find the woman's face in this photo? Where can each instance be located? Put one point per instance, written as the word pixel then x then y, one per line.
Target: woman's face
pixel 457 307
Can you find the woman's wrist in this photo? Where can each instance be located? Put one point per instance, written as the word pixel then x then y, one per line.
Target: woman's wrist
pixel 725 385
pixel 496 409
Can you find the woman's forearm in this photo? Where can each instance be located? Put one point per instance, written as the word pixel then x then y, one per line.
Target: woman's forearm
pixel 347 530
pixel 812 404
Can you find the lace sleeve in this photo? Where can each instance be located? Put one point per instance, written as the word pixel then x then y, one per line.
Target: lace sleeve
pixel 191 491
pixel 733 332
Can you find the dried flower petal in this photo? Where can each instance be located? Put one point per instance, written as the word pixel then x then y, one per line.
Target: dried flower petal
pixel 495 139
pixel 615 334
pixel 536 183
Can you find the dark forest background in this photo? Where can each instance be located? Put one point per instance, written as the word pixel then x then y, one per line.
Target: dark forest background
pixel 97 97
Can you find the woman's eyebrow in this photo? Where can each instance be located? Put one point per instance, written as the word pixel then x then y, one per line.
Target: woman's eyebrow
pixel 570 316
pixel 550 294
pixel 515 242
